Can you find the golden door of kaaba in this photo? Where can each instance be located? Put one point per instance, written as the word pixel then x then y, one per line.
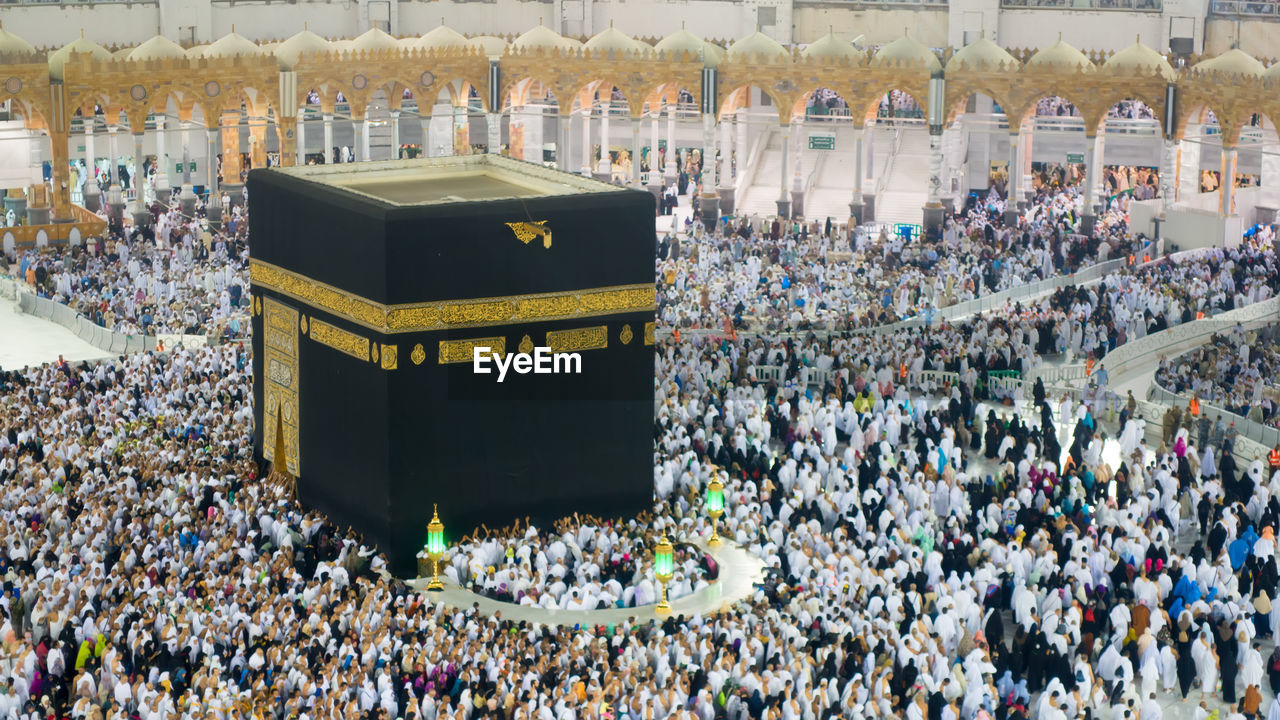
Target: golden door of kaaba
pixel 282 413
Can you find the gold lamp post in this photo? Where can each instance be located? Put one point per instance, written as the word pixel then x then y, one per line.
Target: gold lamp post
pixel 435 548
pixel 664 570
pixel 715 508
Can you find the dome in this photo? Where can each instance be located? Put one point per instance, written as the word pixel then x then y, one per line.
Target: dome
pixel 158 48
pixel 757 43
pixel 60 58
pixel 1140 57
pixel 122 54
pixel 1232 62
pixel 615 41
pixel 443 37
pixel 906 51
pixel 197 51
pixel 684 41
pixel 489 45
pixel 541 37
pixel 1272 72
pixel 982 52
pixel 11 44
pixel 830 47
pixel 1060 55
pixel 374 40
pixel 289 51
pixel 230 45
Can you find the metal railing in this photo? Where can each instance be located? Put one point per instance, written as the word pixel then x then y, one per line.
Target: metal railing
pixel 822 114
pixel 1237 7
pixel 79 2
pixel 1255 431
pixel 882 180
pixel 883 3
pixel 1130 5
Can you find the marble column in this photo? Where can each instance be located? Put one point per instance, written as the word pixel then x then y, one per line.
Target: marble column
pixel 493 128
pixel 655 172
pixel 604 168
pixel 1227 200
pixel 302 137
pixel 329 159
pixel 357 128
pixel 933 214
pixel 113 163
pixel 869 172
pixel 1015 178
pixel 784 202
pixel 1091 174
pixel 162 158
pixel 855 205
pixel 395 135
pixel 796 143
pixel 92 193
pixel 709 204
pixel 726 188
pixel 563 129
pixel 141 218
pixel 635 152
pixel 586 169
pixel 1168 171
pixel 671 170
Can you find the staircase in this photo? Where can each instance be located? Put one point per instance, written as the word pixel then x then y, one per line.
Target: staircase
pixel 905 188
pixel 760 196
pixel 833 184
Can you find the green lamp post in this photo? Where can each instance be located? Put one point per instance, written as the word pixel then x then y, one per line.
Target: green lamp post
pixel 435 548
pixel 715 508
pixel 664 569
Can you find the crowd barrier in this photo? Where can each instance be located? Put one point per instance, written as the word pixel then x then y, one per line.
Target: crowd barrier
pixel 1264 435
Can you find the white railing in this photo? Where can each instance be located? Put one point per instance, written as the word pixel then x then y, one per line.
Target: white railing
pixel 882 181
pixel 983 304
pixel 745 178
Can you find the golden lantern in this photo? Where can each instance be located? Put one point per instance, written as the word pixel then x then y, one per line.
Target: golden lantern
pixel 664 566
pixel 435 548
pixel 715 508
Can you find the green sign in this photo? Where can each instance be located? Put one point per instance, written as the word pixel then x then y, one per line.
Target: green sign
pixel 177 169
pixel 908 231
pixel 822 141
pixel 1075 158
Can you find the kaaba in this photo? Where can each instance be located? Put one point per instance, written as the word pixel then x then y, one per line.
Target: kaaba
pixel 373 286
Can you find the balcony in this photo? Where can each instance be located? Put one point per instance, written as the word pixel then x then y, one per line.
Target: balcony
pixel 1236 8
pixel 1126 5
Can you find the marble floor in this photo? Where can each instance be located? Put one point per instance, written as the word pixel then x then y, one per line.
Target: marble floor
pixel 28 340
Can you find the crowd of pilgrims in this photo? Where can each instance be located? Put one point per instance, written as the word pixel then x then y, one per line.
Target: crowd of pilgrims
pixel 1236 371
pixel 587 563
pixel 932 553
pixel 757 276
pixel 174 277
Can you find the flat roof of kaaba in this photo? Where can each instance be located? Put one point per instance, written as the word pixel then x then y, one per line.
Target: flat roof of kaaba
pixel 447 180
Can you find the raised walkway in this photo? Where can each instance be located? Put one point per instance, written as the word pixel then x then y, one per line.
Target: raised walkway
pixel 739 571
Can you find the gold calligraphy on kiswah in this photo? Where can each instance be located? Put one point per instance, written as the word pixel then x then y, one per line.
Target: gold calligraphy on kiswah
pixel 588 338
pixel 339 339
pixel 463 351
pixel 450 314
